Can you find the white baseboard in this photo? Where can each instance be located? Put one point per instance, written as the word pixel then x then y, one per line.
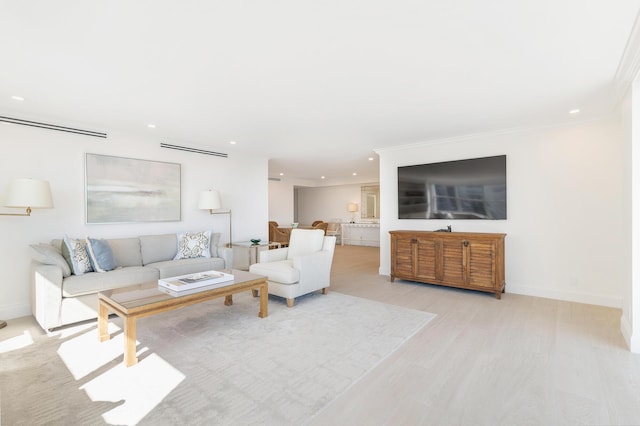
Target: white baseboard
pixel 15 311
pixel 590 299
pixel 568 296
pixel 633 340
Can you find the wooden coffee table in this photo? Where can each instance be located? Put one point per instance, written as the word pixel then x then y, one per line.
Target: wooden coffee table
pixel 142 300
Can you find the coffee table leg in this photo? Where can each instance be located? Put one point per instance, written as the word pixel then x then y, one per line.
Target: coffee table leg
pixel 228 300
pixel 264 301
pixel 130 342
pixel 103 322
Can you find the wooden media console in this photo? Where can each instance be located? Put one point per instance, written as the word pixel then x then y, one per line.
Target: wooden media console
pixel 469 260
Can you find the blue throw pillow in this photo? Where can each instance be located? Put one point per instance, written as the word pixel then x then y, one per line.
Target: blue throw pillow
pixel 100 255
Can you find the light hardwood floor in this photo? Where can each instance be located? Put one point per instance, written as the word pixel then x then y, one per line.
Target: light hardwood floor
pixel 517 361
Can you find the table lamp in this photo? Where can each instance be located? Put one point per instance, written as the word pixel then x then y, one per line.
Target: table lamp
pixel 352 208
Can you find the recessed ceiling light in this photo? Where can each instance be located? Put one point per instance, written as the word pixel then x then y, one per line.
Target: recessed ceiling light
pixel 232 142
pixel 355 174
pixel 321 177
pixel 17 98
pixel 151 126
pixel 370 158
pixel 574 111
pixel 281 174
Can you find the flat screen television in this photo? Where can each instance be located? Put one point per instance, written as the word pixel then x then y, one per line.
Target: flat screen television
pixel 465 189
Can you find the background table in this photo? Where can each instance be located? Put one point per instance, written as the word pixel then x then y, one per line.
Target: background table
pixel 247 252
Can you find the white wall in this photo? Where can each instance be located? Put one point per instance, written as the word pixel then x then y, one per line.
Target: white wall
pixel 281 202
pixel 566 233
pixel 327 202
pixel 59 158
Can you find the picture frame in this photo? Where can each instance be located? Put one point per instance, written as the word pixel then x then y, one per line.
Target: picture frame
pixel 129 190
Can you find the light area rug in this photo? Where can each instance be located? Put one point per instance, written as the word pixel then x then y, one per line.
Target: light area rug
pixel 206 364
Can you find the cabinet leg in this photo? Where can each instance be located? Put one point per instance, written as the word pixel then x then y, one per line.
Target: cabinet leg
pixel 498 295
pixel 392 278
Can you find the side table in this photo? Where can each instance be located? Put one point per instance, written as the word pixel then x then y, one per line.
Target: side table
pixel 251 252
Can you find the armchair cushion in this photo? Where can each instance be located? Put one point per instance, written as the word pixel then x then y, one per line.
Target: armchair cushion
pixel 305 241
pixel 281 271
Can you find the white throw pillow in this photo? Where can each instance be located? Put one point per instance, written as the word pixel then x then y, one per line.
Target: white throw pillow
pixel 193 244
pixel 47 254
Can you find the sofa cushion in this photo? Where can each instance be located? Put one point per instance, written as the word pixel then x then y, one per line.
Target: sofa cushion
pixel 193 244
pixel 172 268
pixel 158 248
pixel 75 253
pixel 126 251
pixel 100 255
pixel 49 255
pixel 280 272
pixel 94 282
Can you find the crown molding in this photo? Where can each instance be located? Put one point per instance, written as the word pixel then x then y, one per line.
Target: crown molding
pixel 629 63
pixel 493 133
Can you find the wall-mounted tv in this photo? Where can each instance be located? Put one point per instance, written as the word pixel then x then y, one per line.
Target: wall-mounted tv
pixel 465 189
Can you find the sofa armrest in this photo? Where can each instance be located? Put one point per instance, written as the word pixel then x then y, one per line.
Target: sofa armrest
pixel 46 294
pixel 226 253
pixel 274 255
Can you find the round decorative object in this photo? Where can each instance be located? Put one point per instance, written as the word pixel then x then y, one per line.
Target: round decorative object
pixel 256 241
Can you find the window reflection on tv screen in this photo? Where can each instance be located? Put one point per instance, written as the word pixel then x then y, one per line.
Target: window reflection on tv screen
pixel 463 189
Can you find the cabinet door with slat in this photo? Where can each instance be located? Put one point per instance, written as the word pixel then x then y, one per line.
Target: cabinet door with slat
pixel 453 270
pixel 427 259
pixel 481 263
pixel 403 256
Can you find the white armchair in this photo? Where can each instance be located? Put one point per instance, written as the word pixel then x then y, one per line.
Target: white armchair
pixel 301 268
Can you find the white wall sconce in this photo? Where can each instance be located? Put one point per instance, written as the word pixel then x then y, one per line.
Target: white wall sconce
pixel 28 194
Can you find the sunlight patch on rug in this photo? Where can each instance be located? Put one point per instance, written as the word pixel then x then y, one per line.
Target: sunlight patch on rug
pixel 208 363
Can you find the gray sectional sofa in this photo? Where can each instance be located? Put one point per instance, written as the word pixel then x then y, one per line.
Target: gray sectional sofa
pixel 59 297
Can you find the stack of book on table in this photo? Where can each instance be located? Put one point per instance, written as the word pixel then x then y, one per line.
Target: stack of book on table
pixel 211 279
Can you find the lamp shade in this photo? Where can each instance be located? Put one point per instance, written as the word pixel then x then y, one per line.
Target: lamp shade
pixel 209 200
pixel 352 207
pixel 33 193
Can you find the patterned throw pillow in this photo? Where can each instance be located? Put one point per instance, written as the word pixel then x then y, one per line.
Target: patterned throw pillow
pixel 193 244
pixel 75 253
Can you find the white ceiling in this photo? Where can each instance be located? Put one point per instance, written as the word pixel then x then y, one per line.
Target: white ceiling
pixel 315 86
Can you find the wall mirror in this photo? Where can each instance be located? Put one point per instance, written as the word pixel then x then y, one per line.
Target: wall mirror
pixel 370 202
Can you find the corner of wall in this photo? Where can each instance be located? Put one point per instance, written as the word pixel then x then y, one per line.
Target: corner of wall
pixel 632 340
